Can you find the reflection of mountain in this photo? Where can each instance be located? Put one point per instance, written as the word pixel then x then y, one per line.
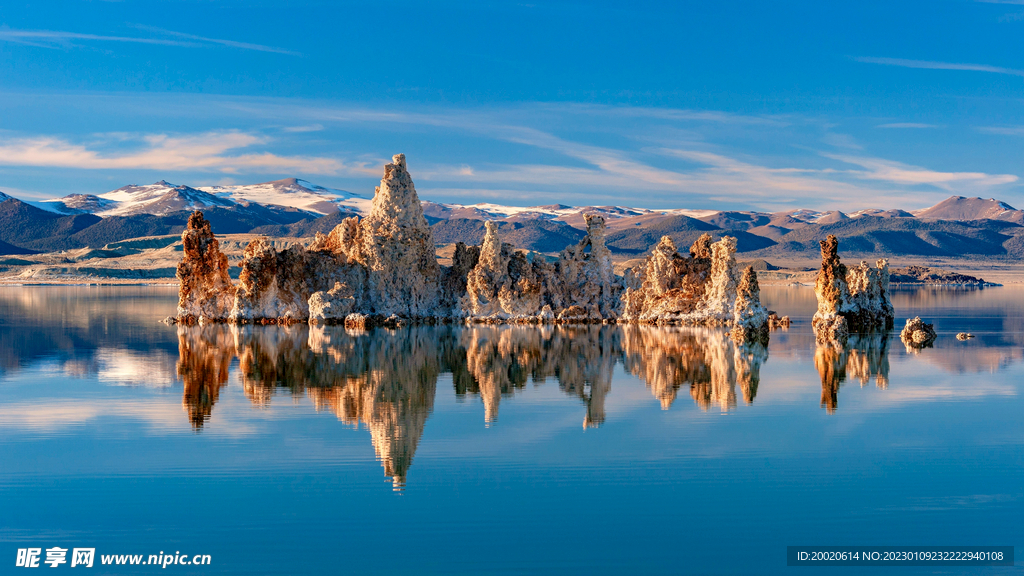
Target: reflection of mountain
pixel 866 356
pixel 705 361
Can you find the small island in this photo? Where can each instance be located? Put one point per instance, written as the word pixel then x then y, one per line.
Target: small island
pixel 382 270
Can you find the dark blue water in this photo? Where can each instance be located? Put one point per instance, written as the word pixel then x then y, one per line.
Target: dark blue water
pixel 440 450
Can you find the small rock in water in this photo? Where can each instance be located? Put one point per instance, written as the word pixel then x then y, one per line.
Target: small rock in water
pixel 916 334
pixel 964 336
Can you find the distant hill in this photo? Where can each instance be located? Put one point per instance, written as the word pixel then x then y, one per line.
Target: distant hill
pixel 536 235
pixel 683 230
pixel 960 208
pixel 30 227
pixel 10 249
pixel 905 236
pixel 306 227
pixel 291 207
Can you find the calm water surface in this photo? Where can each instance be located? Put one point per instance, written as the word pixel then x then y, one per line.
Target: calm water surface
pixel 494 450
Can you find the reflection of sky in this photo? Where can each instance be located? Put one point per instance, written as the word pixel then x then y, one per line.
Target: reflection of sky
pixel 932 459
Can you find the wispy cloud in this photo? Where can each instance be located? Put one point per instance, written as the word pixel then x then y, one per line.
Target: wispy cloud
pixel 63 39
pixel 1003 130
pixel 905 174
pixel 307 128
pixel 221 41
pixel 931 65
pixel 205 152
pixel 841 141
pixel 907 125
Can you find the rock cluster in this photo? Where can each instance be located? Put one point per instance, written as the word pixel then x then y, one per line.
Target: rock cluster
pixel 916 334
pixel 850 299
pixel 383 270
pixel 776 322
pixel 702 289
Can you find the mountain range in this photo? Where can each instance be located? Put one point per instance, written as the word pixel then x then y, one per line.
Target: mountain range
pixel 292 207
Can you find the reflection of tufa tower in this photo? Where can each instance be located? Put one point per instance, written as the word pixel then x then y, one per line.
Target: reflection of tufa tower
pixel 392 395
pixel 863 357
pixel 706 361
pixel 386 379
pixel 203 359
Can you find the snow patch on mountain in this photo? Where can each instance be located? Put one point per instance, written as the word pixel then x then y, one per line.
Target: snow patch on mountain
pixel 295 193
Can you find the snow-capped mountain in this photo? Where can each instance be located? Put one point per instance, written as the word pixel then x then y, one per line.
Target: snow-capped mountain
pixel 162 198
pixel 294 193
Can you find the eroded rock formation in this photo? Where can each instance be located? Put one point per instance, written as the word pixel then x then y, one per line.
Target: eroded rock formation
pixel 750 317
pixel 205 291
pixel 850 299
pixel 585 275
pixel 383 270
pixel 502 285
pixel 667 286
pixel 396 246
pixel 917 335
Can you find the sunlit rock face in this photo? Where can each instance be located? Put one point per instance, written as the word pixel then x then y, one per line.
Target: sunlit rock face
pixel 272 284
pixel 850 299
pixel 332 306
pixel 703 289
pixel 396 246
pixel 861 358
pixel 719 304
pixel 383 270
pixel 667 285
pixel 750 317
pixel 585 275
pixel 503 285
pixel 488 278
pixel 916 334
pixel 205 291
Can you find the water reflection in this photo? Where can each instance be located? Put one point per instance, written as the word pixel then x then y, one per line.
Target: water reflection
pixel 704 361
pixel 385 380
pixel 865 356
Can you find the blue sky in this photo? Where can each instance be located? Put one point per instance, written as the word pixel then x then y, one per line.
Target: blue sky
pixel 696 105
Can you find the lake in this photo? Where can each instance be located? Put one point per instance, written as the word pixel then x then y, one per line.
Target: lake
pixel 502 450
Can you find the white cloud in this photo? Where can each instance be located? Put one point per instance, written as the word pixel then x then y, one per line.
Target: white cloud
pixel 1003 130
pixel 907 125
pixel 202 152
pixel 931 65
pixel 899 173
pixel 63 39
pixel 307 128
pixel 841 141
